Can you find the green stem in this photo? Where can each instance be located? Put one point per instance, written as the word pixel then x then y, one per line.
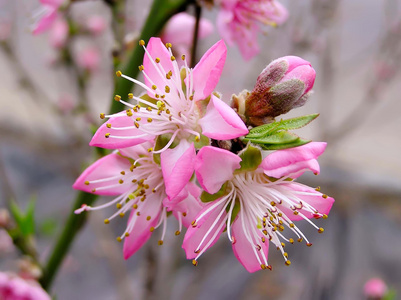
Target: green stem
pixel 73 225
pixel 160 12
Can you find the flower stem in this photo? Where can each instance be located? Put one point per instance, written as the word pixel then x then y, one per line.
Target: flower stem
pixel 198 13
pixel 73 224
pixel 160 12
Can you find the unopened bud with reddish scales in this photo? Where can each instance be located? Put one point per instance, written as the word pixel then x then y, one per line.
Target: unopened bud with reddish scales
pixel 284 84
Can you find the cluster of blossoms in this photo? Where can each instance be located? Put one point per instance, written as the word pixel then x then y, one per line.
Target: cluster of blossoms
pixel 178 127
pixel 13 287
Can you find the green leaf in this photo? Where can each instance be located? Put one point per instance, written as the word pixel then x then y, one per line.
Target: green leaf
pixel 282 137
pixel 251 158
pixel 25 221
pixel 296 143
pixel 289 124
pixel 390 295
pixel 206 197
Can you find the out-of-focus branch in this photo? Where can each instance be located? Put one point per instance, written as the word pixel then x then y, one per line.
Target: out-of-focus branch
pixel 198 13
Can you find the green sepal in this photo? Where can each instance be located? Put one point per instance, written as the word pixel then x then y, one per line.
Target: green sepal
pixel 235 211
pixel 203 141
pixel 289 124
pixel 25 221
pixel 298 142
pixel 390 295
pixel 206 197
pixel 161 142
pixel 251 158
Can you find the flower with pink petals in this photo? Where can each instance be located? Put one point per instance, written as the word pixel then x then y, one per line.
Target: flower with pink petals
pixel 59 33
pixel 179 108
pixel 133 176
pixel 375 288
pixel 89 58
pixel 179 31
pixel 47 15
pixel 238 21
pixel 13 287
pixel 255 200
pixel 96 24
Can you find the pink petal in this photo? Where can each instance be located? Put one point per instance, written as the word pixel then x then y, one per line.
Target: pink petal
pixel 157 49
pixel 223 22
pixel 247 40
pixel 109 166
pixel 177 166
pixel 45 22
pixel 305 73
pixel 221 122
pixel 279 13
pixel 244 250
pixel 214 166
pixel 52 3
pixel 313 198
pixel 140 232
pixel 99 139
pixel 194 235
pixel 191 205
pixel 59 33
pixel 207 72
pixel 293 162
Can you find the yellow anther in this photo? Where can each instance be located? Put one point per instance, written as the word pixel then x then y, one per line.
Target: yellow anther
pixel 157 60
pixel 108 125
pixel 121 215
pixel 151 229
pixel 135 206
pixel 177 232
pixel 106 221
pixel 168 76
pixel 191 97
pixel 117 97
pixel 138 119
pixel 87 182
pixel 150 149
pixel 285 254
pixel 157 96
pixel 324 196
pixel 172 58
pixel 183 57
pixel 148 218
pixel 320 230
pixel 121 181
pixel 292 225
pixel 269 267
pixel 193 223
pixel 141 68
pixel 102 116
pixel 291 240
pixel 138 213
pixel 136 124
pixel 264 231
pixel 308 244
pixel 194 262
pixel 150 120
pixel 167 89
pixel 119 205
pixel 107 135
pixel 130 95
pixel 160 242
pixel 126 234
pixel 129 113
pixel 154 87
pixel 122 172
pixel 296 213
pixel 119 239
pixel 282 244
pixel 94 190
pixel 317 189
pixel 184 214
pixel 118 73
pixel 168 45
pixel 325 216
pixel 300 240
pixel 141 43
pixel 197 139
pixel 273 203
pixel 263 266
pixel 167 111
pixel 287 262
pixel 148 108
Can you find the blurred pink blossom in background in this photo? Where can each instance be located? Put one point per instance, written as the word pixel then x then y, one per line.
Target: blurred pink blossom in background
pixel 47 15
pixel 238 22
pixel 375 288
pixel 96 24
pixel 13 287
pixel 59 33
pixel 89 58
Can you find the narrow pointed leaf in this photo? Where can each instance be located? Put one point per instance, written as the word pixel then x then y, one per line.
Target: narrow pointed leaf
pixel 298 142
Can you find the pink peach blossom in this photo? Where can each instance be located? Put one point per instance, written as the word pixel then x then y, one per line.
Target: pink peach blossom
pixel 13 287
pixel 96 24
pixel 184 116
pixel 260 202
pixel 59 33
pixel 132 175
pixel 375 288
pixel 89 58
pixel 237 22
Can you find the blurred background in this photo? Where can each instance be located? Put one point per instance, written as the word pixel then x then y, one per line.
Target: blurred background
pixel 51 97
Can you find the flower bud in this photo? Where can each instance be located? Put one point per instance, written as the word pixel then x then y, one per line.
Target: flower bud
pixel 375 288
pixel 283 85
